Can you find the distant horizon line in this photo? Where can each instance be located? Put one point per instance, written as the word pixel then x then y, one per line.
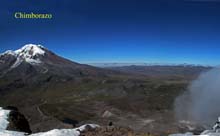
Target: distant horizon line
pixel 109 64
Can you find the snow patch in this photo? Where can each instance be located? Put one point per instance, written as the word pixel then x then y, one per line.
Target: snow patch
pixel 65 132
pixel 82 128
pixel 204 133
pixel 9 52
pixel 11 133
pixel 57 132
pixel 17 63
pixel 33 61
pixel 3 118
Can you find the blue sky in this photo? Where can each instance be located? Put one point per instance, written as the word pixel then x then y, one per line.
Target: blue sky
pixel 150 31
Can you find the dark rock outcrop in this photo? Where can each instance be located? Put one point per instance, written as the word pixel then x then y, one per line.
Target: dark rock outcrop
pixel 17 121
pixel 12 108
pixel 70 121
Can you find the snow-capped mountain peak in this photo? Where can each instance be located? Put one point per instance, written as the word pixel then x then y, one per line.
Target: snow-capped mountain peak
pixel 34 59
pixel 29 53
pixel 30 50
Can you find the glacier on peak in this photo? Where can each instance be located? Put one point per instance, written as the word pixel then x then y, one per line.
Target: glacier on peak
pixel 30 50
pixel 29 53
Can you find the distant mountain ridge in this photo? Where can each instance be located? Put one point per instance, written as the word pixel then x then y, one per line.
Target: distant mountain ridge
pixel 160 71
pixel 116 64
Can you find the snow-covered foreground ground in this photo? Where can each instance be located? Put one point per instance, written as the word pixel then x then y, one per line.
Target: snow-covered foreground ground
pixel 68 132
pixel 210 134
pixel 56 132
pixel 204 133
